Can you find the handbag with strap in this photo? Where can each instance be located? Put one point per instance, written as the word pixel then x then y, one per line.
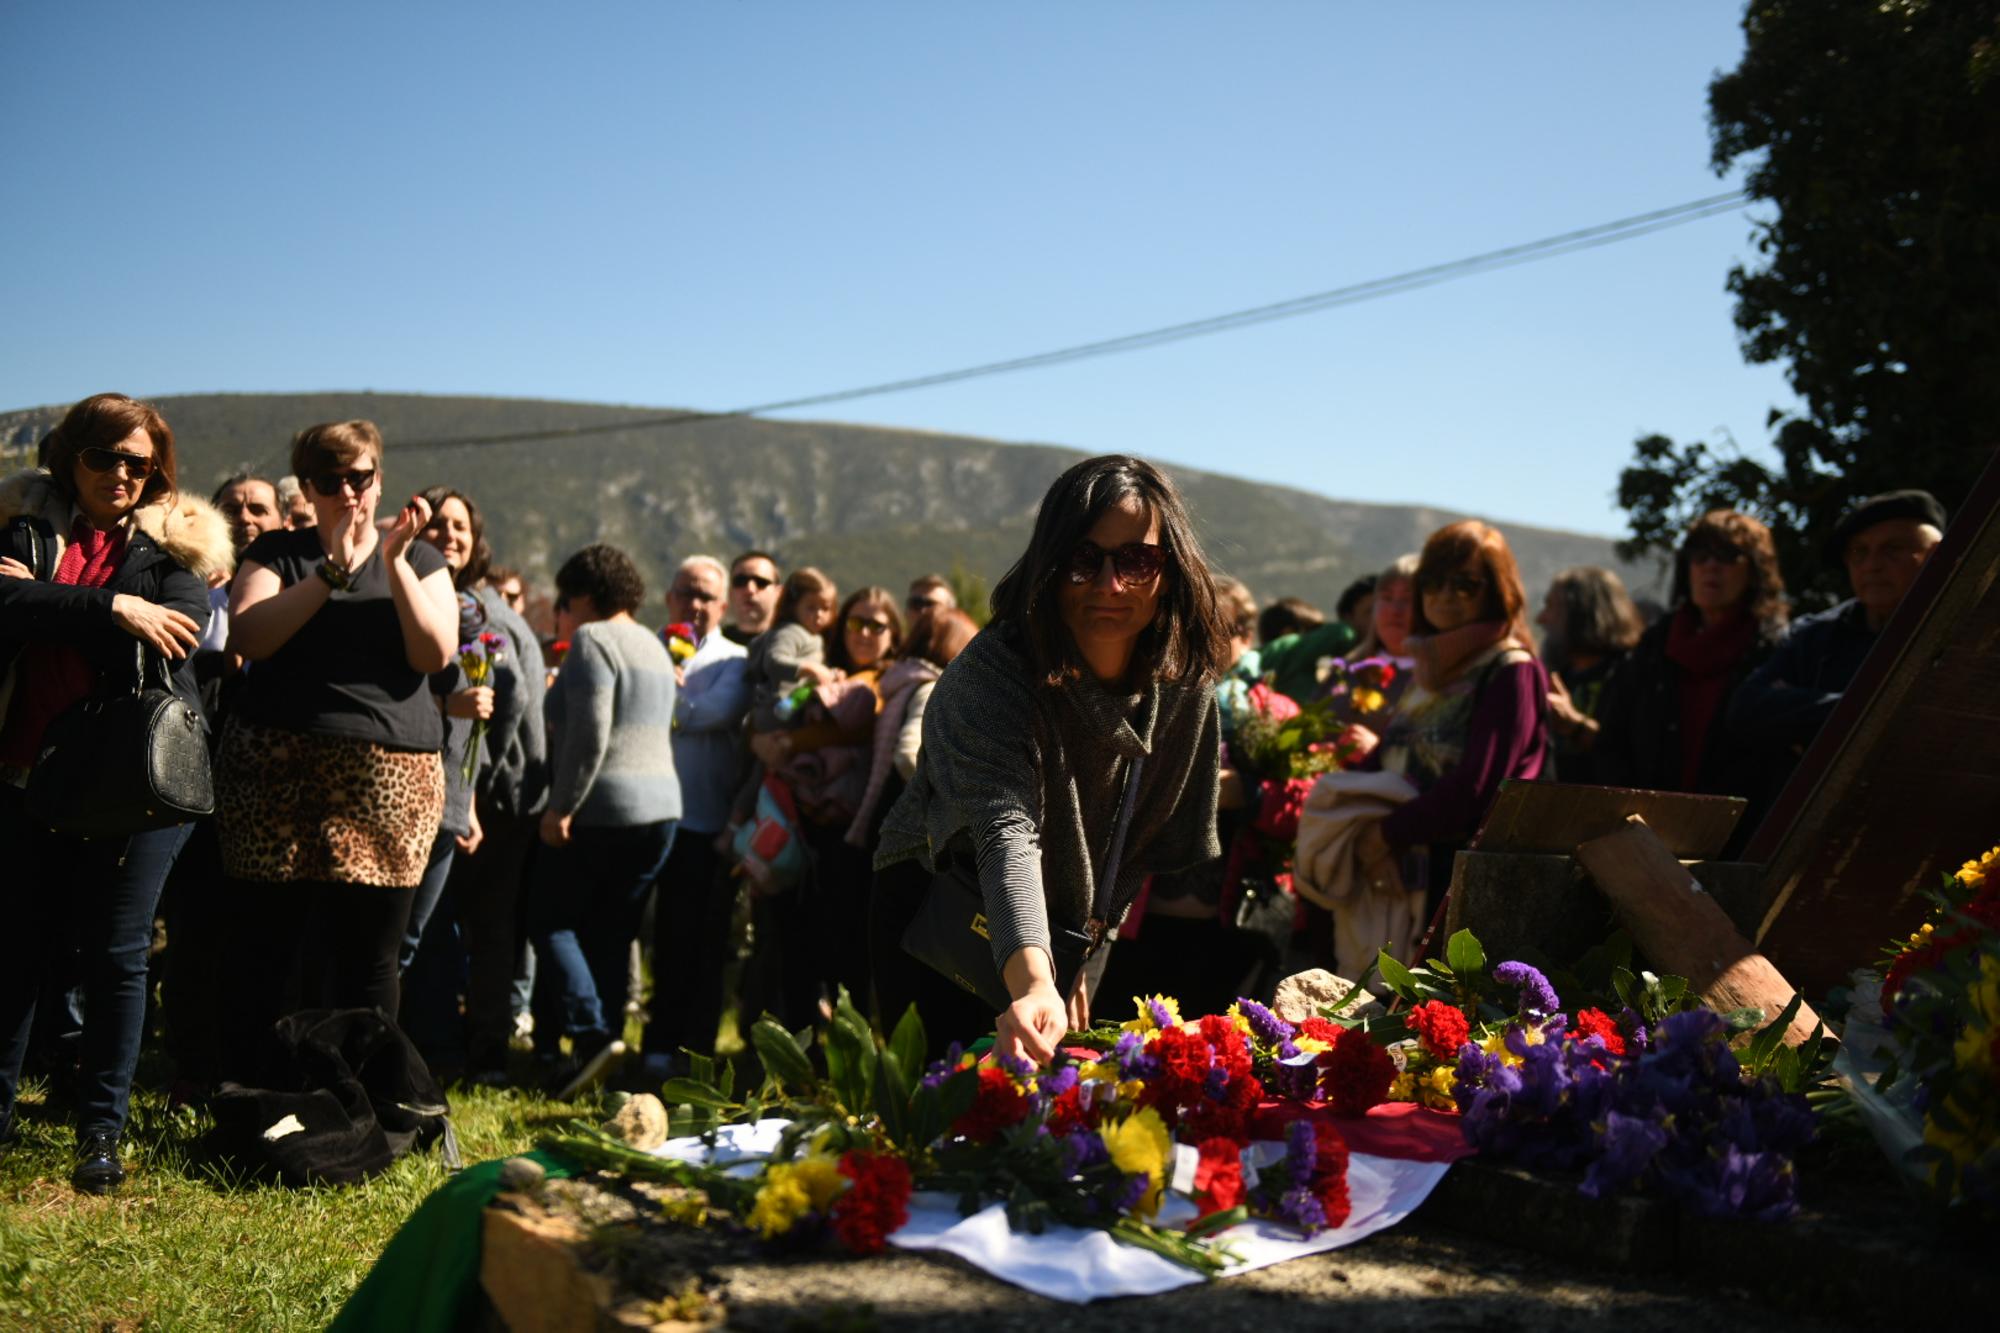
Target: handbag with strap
pixel 123 762
pixel 949 933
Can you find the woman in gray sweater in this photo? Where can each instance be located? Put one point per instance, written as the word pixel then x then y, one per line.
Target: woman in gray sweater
pixel 614 801
pixel 1099 663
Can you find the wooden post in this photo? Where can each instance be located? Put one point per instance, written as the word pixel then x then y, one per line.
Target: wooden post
pixel 1682 930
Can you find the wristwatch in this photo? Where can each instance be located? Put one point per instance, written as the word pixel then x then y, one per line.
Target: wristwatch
pixel 336 575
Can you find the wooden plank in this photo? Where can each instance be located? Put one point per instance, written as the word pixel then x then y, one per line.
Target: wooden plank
pixel 1903 782
pixel 1551 818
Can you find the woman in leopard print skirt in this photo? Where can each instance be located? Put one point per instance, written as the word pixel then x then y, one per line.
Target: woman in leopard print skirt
pixel 330 785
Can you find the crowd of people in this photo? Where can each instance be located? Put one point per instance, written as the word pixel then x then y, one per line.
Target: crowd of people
pixel 424 807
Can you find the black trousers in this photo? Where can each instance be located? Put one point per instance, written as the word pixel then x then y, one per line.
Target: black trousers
pixel 694 903
pixel 306 946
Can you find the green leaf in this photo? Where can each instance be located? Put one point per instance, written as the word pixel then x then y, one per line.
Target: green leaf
pixel 1465 953
pixel 909 1041
pixel 1757 1056
pixel 1627 987
pixel 1437 966
pixel 1221 1221
pixel 783 1055
pixel 892 1098
pixel 1745 1019
pixel 690 1092
pixel 701 1068
pixel 726 1085
pixel 1397 977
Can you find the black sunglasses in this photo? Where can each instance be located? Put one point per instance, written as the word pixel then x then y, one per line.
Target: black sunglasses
pixel 1462 585
pixel 1134 562
pixel 103 460
pixel 329 484
pixel 754 582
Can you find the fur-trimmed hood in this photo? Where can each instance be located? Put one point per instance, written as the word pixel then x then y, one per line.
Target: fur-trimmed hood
pixel 188 528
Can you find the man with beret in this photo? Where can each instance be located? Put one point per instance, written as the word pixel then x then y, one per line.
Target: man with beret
pixel 1883 543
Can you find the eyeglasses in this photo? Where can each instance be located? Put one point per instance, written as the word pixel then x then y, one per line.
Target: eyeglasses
pixel 754 582
pixel 863 625
pixel 1715 555
pixel 1134 562
pixel 329 484
pixel 919 605
pixel 1458 585
pixel 137 467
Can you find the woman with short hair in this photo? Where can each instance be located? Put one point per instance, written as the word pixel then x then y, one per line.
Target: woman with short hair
pixel 124 563
pixel 1662 716
pixel 329 782
pixel 614 803
pixel 1087 705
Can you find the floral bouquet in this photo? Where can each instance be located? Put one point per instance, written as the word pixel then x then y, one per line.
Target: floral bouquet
pixel 680 640
pixel 477 660
pixel 1358 689
pixel 1940 1006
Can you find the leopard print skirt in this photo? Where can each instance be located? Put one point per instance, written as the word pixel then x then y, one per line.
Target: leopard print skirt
pixel 292 807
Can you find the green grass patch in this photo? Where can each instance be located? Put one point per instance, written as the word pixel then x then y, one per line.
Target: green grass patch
pixel 187 1244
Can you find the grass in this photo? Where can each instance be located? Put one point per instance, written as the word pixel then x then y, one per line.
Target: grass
pixel 187 1244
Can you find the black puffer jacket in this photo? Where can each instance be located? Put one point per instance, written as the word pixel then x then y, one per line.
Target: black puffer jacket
pixel 1639 744
pixel 176 543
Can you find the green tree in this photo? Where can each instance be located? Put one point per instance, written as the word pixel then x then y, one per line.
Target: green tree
pixel 1873 126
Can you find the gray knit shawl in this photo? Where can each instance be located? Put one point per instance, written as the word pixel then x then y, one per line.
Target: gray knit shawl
pixel 1027 778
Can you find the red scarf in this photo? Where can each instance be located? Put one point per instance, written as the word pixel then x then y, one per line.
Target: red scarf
pixel 50 676
pixel 1707 655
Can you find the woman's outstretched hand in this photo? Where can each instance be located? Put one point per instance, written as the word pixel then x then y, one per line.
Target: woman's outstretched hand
pixel 172 632
pixel 1033 1025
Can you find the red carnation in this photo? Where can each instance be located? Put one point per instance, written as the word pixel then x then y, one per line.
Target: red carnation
pixel 1226 1044
pixel 1356 1073
pixel 1066 1113
pixel 1329 1178
pixel 1442 1027
pixel 870 1210
pixel 999 1103
pixel 1184 1054
pixel 1596 1023
pixel 1319 1029
pixel 1227 1119
pixel 1218 1176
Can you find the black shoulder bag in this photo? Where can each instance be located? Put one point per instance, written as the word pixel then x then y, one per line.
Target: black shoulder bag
pixel 121 763
pixel 949 932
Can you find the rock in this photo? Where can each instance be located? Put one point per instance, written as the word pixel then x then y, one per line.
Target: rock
pixel 523 1175
pixel 1304 994
pixel 640 1122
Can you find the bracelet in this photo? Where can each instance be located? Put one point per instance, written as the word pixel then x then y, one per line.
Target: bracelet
pixel 334 574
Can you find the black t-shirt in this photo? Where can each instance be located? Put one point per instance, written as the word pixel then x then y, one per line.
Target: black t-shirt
pixel 345 672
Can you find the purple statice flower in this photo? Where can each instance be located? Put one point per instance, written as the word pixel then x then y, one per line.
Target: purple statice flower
pixel 1301 1152
pixel 1626 1149
pixel 1633 1025
pixel 1761 1186
pixel 1134 1189
pixel 938 1071
pixel 1301 1208
pixel 1059 1082
pixel 1130 1055
pixel 1017 1065
pixel 1537 996
pixel 1215 1084
pixel 1083 1150
pixel 1266 1026
pixel 1163 1017
pixel 1288 1049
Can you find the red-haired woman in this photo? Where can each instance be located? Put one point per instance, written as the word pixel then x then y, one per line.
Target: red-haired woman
pixel 1477 712
pixel 1661 720
pixel 99 552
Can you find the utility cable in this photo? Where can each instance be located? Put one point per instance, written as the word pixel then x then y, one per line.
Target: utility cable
pixel 1586 238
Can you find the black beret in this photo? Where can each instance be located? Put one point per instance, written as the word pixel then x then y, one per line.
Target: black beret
pixel 1919 505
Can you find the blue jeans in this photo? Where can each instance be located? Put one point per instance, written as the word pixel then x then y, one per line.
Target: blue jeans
pixel 583 914
pixel 429 889
pixel 93 900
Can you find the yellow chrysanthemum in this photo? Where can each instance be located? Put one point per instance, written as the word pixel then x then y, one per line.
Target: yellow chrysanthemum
pixel 793 1189
pixel 1130 1089
pixel 1496 1044
pixel 1139 1145
pixel 1368 701
pixel 1311 1044
pixel 1403 1088
pixel 1146 1023
pixel 1236 1017
pixel 1973 873
pixel 1434 1090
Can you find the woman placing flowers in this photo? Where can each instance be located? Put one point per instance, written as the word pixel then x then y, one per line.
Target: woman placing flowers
pixel 329 782
pixel 1099 665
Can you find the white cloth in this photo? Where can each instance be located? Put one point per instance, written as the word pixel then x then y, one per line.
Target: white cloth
pixel 1366 917
pixel 1084 1264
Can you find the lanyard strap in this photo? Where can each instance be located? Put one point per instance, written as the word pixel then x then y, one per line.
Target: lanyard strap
pixel 1107 883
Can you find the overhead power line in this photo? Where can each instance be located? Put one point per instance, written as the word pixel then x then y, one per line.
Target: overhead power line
pixel 1549 247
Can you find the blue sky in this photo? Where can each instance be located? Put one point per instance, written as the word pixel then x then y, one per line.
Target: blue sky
pixel 710 204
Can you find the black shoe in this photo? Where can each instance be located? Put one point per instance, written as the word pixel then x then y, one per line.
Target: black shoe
pixel 98 1170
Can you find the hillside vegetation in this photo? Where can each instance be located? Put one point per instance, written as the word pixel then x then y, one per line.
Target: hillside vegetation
pixel 868 504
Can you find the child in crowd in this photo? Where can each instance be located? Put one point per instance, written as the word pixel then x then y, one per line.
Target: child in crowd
pixel 793 651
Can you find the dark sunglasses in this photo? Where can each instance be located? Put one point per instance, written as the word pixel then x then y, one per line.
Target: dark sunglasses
pixel 1459 585
pixel 1134 562
pixel 329 484
pixel 103 460
pixel 1714 555
pixel 863 625
pixel 754 582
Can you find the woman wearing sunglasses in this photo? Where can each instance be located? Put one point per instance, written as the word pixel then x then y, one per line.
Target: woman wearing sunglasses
pixel 1660 721
pixel 99 551
pixel 329 785
pixel 1475 714
pixel 1086 705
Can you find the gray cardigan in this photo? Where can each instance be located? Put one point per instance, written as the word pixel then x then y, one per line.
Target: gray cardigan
pixel 1026 779
pixel 611 717
pixel 514 759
